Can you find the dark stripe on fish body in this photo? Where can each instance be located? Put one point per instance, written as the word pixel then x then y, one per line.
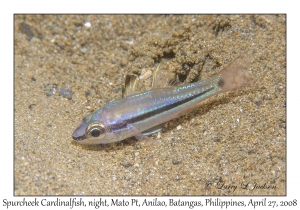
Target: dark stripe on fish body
pixel 157 111
pixel 221 83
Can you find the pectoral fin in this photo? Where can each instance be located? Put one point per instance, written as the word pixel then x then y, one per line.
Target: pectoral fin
pixel 152 130
pixel 141 137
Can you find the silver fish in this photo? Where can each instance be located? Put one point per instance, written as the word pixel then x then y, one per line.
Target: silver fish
pixel 141 114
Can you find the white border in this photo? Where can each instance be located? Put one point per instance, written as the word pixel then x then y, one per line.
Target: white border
pixel 154 6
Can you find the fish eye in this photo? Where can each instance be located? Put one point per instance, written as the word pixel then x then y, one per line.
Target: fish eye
pixel 95 130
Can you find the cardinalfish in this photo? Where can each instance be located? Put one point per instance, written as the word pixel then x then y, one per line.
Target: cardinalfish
pixel 144 113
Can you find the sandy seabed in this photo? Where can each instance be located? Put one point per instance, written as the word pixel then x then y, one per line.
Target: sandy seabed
pixel 69 65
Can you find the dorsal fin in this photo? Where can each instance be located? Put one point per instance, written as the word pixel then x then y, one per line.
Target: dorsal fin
pixel 164 79
pixel 130 85
pixel 160 79
pixel 174 82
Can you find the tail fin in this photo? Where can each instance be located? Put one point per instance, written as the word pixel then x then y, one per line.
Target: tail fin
pixel 236 75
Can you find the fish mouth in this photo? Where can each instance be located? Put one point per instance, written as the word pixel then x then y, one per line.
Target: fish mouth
pixel 84 140
pixel 78 138
pixel 79 132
